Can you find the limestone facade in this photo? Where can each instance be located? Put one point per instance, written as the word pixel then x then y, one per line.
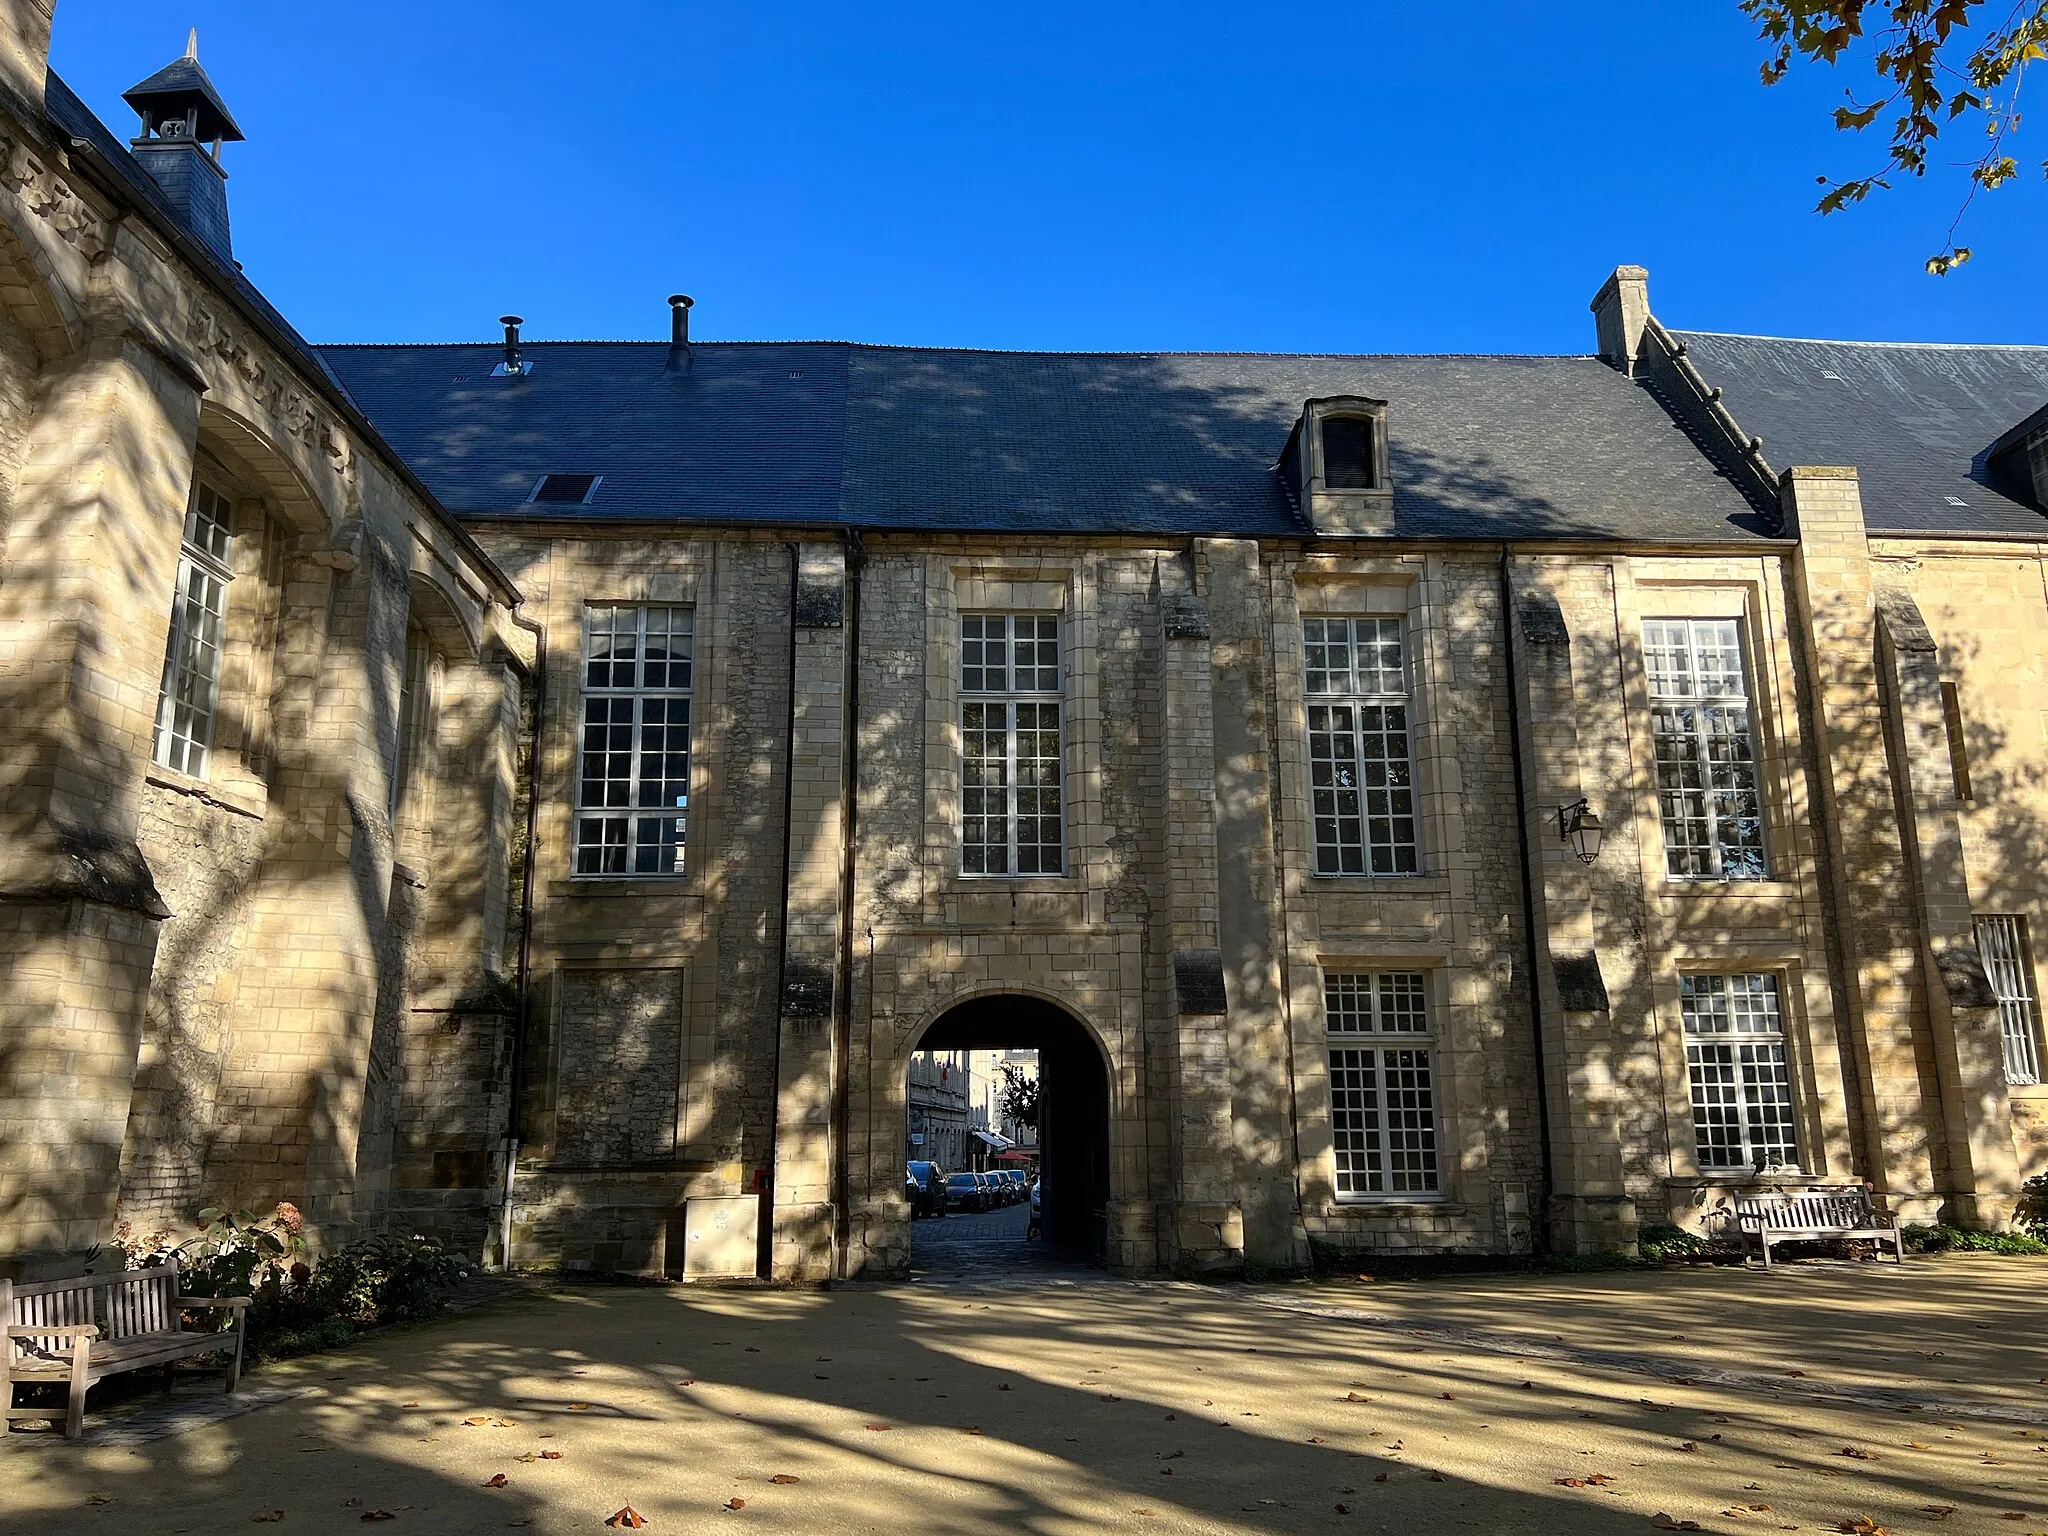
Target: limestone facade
pixel 266 972
pixel 376 957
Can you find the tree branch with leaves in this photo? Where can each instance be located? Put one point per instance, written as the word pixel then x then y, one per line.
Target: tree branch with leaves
pixel 1936 64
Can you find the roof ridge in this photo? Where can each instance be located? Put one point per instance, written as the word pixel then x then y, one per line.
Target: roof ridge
pixel 888 346
pixel 1824 341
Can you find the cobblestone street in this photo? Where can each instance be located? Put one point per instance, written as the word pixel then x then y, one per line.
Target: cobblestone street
pixel 1807 1399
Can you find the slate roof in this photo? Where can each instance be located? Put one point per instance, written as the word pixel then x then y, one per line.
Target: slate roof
pixel 806 433
pixel 1917 421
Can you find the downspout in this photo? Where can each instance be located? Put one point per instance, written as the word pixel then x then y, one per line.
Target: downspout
pixel 1539 1224
pixel 517 1092
pixel 842 1003
pixel 763 1262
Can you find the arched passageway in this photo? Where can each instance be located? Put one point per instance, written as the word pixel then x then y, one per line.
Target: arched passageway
pixel 1073 1121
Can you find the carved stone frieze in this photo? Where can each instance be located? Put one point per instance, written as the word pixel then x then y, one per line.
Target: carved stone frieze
pixel 50 198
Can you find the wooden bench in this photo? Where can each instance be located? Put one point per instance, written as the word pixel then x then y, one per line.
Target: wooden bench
pixel 1812 1214
pixel 84 1330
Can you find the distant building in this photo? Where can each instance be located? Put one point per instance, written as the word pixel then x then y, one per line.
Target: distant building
pixel 938 1109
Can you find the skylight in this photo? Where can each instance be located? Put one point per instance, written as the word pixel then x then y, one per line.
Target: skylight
pixel 569 488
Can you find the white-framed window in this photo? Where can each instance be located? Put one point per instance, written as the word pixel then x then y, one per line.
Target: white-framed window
pixel 1704 737
pixel 1382 1092
pixel 1012 768
pixel 190 696
pixel 633 778
pixel 2002 945
pixel 1361 762
pixel 1742 1114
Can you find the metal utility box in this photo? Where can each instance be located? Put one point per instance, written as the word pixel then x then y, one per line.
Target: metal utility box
pixel 721 1234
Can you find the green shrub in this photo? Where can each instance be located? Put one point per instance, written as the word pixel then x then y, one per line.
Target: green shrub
pixel 2032 1211
pixel 387 1278
pixel 1947 1239
pixel 1662 1244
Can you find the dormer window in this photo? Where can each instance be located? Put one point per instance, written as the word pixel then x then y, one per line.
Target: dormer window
pixel 1349 463
pixel 1335 465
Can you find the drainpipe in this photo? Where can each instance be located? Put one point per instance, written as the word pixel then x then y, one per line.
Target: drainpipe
pixel 1539 1229
pixel 517 1092
pixel 842 1002
pixel 764 1257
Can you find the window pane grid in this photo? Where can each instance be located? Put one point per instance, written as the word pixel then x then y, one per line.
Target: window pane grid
pixel 1361 766
pixel 1012 768
pixel 1740 1079
pixel 1704 745
pixel 633 782
pixel 188 698
pixel 1382 1098
pixel 2002 942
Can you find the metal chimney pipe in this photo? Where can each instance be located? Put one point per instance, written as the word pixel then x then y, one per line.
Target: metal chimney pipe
pixel 679 332
pixel 511 324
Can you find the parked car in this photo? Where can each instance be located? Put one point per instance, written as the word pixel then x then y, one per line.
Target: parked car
pixel 966 1192
pixel 924 1185
pixel 1013 1180
pixel 1036 1228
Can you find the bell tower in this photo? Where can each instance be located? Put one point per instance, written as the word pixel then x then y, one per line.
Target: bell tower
pixel 184 124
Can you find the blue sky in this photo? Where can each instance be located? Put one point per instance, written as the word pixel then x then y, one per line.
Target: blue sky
pixel 1315 177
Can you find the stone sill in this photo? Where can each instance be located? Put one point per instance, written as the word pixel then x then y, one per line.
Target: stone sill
pixel 624 885
pixel 2032 1093
pixel 1385 885
pixel 1351 1208
pixel 251 801
pixel 1748 890
pixel 1735 1180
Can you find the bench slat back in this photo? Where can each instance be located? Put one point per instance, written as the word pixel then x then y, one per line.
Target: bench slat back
pixel 121 1306
pixel 1806 1211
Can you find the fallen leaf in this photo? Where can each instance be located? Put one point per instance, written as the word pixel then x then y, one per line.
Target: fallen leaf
pixel 1689 1445
pixel 1528 1386
pixel 479 1419
pixel 1343 1509
pixel 878 1428
pixel 1110 1397
pixel 1436 1477
pixel 1380 1477
pixel 1353 1397
pixel 1664 1522
pixel 265 1516
pixel 351 1503
pixel 1863 1525
pixel 1938 1511
pixel 687 1381
pixel 629 1517
pixel 973 1429
pixel 1600 1479
pixel 736 1503
pixel 1853 1453
pixel 1449 1397
pixel 499 1480
pixel 579 1407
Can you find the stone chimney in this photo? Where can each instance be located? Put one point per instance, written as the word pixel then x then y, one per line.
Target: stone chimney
pixel 1621 309
pixel 184 124
pixel 25 48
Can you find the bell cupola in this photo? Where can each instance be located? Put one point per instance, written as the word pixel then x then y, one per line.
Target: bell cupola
pixel 184 124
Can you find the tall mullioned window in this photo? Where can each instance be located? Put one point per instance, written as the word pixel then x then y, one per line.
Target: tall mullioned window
pixel 1382 1098
pixel 1012 782
pixel 1741 1084
pixel 190 696
pixel 1361 768
pixel 2002 945
pixel 1704 736
pixel 633 783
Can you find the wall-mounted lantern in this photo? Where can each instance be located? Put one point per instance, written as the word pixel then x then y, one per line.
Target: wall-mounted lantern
pixel 1579 827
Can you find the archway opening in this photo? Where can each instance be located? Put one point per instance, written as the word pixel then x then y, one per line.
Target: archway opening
pixel 1067 1154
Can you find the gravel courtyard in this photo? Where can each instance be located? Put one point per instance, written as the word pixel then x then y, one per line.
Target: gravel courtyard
pixel 1815 1398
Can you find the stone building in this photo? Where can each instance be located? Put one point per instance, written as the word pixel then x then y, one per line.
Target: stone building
pixel 256 796
pixel 939 1088
pixel 1407 803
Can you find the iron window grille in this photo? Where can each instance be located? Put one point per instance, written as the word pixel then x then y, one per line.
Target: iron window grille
pixel 1361 767
pixel 2002 944
pixel 189 698
pixel 1012 766
pixel 1741 1082
pixel 633 778
pixel 1704 740
pixel 1382 1092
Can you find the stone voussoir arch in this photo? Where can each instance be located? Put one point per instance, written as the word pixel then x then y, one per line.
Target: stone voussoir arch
pixel 265 469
